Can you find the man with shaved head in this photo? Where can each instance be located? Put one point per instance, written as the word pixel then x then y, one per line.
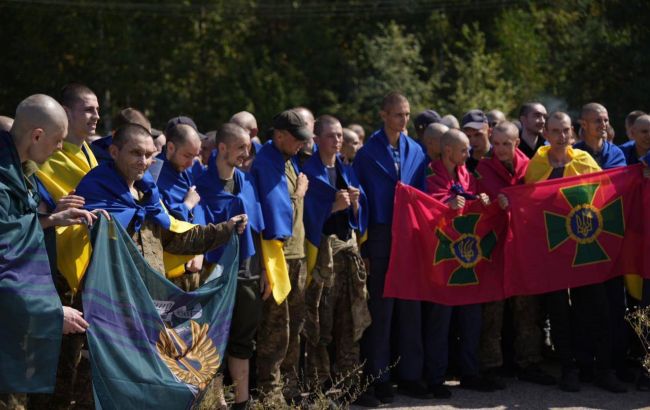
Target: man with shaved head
pixel 450 121
pixel 431 141
pixel 226 191
pixel 360 132
pixel 507 167
pixel 351 144
pixel 247 121
pixel 635 149
pixel 452 184
pixel 495 117
pixel 6 123
pixel 33 324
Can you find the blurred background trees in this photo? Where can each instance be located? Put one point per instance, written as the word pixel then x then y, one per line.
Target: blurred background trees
pixel 211 58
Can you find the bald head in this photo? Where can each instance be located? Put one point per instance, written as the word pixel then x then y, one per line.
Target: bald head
pixel 39 127
pixel 592 108
pixel 431 139
pixel 450 121
pixel 495 117
pixel 230 132
pixel 452 138
pixel 359 130
pixel 247 121
pixel 508 129
pixel 454 148
pixel 181 134
pixel 6 123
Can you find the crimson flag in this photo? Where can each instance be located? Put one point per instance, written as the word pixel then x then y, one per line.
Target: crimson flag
pixel 445 256
pixel 573 231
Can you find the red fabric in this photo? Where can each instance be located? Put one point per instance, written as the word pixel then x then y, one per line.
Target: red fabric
pixel 439 183
pixel 540 260
pixel 492 175
pixel 413 272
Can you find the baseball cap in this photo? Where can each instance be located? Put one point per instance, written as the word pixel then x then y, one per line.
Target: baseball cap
pixel 181 119
pixel 425 118
pixel 291 121
pixel 474 119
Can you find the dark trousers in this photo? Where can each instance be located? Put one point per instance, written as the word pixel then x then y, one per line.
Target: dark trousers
pixel 587 314
pixel 436 323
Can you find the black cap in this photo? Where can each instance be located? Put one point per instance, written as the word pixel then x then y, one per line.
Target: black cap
pixel 291 121
pixel 425 118
pixel 182 120
pixel 474 119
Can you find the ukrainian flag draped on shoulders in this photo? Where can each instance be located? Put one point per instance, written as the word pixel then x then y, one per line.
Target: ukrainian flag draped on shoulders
pixel 30 309
pixel 219 205
pixel 173 185
pixel 320 199
pixel 492 175
pixel 268 171
pixel 104 188
pixel 539 167
pixel 374 166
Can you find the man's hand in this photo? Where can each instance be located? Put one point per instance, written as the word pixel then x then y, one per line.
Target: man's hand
pixel 238 222
pixel 191 198
pixel 73 321
pixel 485 200
pixel 71 216
pixel 69 201
pixel 341 201
pixel 301 185
pixel 265 288
pixel 503 201
pixel 354 198
pixel 195 264
pixel 456 202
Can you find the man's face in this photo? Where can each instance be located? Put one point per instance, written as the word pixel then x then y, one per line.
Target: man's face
pixel 504 146
pixel 182 156
pixel 46 143
pixel 330 139
pixel 236 151
pixel 83 116
pixel 134 158
pixel 433 148
pixel 396 117
pixel 458 152
pixel 641 133
pixel 594 124
pixel 351 146
pixel 159 143
pixel 288 144
pixel 558 133
pixel 533 122
pixel 207 145
pixel 478 139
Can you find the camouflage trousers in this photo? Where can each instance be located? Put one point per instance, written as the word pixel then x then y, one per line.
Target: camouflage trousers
pixel 278 338
pixel 526 313
pixel 337 313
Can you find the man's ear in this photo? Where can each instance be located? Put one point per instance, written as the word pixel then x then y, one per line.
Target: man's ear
pixel 170 147
pixel 114 151
pixel 36 134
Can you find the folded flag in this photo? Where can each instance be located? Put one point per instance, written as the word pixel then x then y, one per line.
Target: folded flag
pixel 151 344
pixel 445 256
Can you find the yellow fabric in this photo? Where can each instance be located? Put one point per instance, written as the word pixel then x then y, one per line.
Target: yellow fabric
pixel 276 269
pixel 175 264
pixel 62 172
pixel 634 285
pixel 73 252
pixel 312 257
pixel 539 168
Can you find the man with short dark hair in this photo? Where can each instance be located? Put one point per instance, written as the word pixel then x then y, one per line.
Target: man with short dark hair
pixel 532 116
pixel 388 157
pixel 226 191
pixel 639 142
pixel 126 116
pixel 281 190
pixel 475 125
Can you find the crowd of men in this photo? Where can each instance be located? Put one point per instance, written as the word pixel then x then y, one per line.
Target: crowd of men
pixel 321 196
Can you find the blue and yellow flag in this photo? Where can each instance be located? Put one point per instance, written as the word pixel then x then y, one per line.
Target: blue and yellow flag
pixel 151 344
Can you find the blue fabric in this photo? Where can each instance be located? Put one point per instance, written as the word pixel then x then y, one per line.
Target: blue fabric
pixel 152 345
pixel 100 149
pixel 629 151
pixel 610 156
pixel 219 206
pixel 173 187
pixel 320 198
pixel 273 192
pixel 30 309
pixel 104 188
pixel 375 168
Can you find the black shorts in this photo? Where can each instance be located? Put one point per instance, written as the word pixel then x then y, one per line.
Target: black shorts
pixel 246 317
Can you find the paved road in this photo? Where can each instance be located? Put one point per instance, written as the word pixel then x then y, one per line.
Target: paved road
pixel 520 395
